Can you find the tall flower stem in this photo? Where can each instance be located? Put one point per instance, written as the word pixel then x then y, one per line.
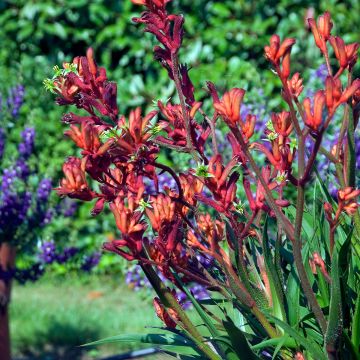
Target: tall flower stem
pixel 170 302
pixel 297 244
pixel 288 227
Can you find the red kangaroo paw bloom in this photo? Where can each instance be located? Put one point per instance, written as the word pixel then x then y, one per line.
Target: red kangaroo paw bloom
pixel 168 316
pixel 167 28
pixel 335 96
pixel 161 212
pixel 321 30
pixel 347 200
pixel 346 54
pixel 282 123
pixel 174 125
pixel 74 185
pixel 87 138
pixel 229 106
pixel 276 51
pixel 314 116
pixel 86 86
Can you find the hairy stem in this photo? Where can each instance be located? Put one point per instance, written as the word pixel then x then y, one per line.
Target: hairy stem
pixel 170 302
pixel 175 71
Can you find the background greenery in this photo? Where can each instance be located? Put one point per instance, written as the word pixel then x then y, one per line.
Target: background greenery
pixel 224 43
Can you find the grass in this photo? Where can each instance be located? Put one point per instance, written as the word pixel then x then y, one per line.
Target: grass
pixel 51 318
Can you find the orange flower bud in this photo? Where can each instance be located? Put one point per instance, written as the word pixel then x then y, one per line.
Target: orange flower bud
pixel 295 85
pixel 249 126
pixel 348 193
pixel 282 123
pixel 314 116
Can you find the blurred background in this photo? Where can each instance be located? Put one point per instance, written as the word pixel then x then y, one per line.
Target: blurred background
pixel 66 291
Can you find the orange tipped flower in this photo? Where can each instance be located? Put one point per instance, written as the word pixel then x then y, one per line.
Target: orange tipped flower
pixel 276 51
pixel 74 185
pixel 347 200
pixel 248 126
pixel 282 123
pixel 161 211
pixel 321 30
pixel 346 54
pixel 314 116
pixel 86 138
pixel 229 106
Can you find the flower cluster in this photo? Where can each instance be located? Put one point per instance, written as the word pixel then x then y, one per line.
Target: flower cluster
pixel 201 211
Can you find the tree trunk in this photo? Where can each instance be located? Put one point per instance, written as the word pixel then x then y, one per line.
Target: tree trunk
pixel 7 262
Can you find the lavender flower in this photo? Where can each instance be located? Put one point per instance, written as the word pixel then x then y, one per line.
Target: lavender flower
pixel 90 261
pixel 13 210
pixel 47 252
pixel 15 100
pixel 165 180
pixel 26 147
pixel 135 278
pixel 199 292
pixel 33 273
pixel 44 190
pixel 67 254
pixel 67 207
pixel 22 169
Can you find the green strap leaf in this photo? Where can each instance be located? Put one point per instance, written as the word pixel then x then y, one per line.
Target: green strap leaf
pixel 339 266
pixel 238 341
pixel 312 347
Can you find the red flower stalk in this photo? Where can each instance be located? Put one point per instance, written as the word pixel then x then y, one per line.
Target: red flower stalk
pixel 321 30
pixel 84 84
pixel 314 115
pixel 174 126
pixel 74 185
pixel 86 138
pixel 213 230
pixel 168 29
pixel 151 3
pixel 220 183
pixel 259 202
pixel 191 186
pixel 127 214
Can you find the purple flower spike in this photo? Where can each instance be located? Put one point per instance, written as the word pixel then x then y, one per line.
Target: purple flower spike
pixel 44 190
pixel 26 147
pixel 47 252
pixel 16 100
pixel 91 261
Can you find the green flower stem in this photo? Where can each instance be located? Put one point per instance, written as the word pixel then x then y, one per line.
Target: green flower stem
pixel 297 243
pixel 169 301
